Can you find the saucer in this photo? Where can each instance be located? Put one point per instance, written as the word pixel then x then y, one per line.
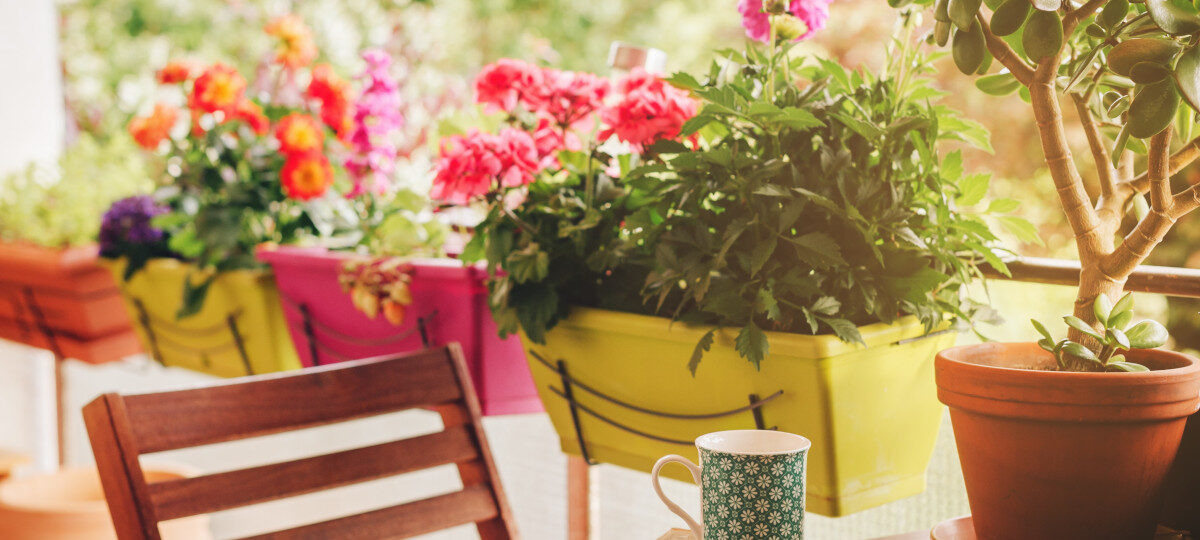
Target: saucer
pixel 954 529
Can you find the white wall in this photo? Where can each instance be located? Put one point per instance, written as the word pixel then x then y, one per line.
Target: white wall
pixel 31 102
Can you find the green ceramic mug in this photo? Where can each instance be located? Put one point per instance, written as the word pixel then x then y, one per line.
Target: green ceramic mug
pixel 751 485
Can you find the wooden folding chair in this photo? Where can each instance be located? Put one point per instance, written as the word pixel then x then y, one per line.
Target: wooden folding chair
pixel 122 428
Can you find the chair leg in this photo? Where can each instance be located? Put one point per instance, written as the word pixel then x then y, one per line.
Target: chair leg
pixel 578 499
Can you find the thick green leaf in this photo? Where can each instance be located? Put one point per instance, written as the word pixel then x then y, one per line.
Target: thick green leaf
pixel 1117 337
pixel 1148 72
pixel 1187 76
pixel 1041 328
pixel 1120 320
pixel 1153 109
pixel 941 32
pixel 962 12
pixel 1175 17
pixel 941 11
pixel 1131 52
pixel 1010 16
pixel 1043 35
pixel 1113 13
pixel 1124 305
pixel 1079 351
pixel 1102 306
pixel 1000 84
pixel 1119 145
pixel 1078 324
pixel 969 48
pixel 1047 344
pixel 1147 335
pixel 1128 367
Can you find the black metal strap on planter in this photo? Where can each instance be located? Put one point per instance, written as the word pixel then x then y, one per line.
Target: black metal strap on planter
pixel 567 392
pixel 156 340
pixel 39 319
pixel 312 324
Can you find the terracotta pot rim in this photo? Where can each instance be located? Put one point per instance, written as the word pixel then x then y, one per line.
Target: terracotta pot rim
pixel 1191 366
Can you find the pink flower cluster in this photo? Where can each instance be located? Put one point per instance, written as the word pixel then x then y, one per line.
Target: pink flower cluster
pixel 563 104
pixel 477 163
pixel 649 109
pixel 377 120
pixel 757 23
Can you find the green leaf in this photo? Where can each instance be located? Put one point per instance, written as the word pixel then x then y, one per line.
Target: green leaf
pixel 1047 344
pixel 826 305
pixel 1020 228
pixel 1147 335
pixel 1010 16
pixel 704 345
pixel 969 46
pixel 1003 206
pixel 1102 306
pixel 962 12
pixel 1041 328
pixel 1187 76
pixel 1131 52
pixel 1113 13
pixel 1120 320
pixel 1079 351
pixel 1149 72
pixel 1175 17
pixel 1153 109
pixel 1078 324
pixel 1128 367
pixel 751 344
pixel 999 84
pixel 972 189
pixel 844 330
pixel 1117 337
pixel 1124 305
pixel 1043 35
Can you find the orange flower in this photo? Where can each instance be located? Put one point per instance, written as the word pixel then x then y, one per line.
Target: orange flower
pixel 151 130
pixel 296 47
pixel 177 71
pixel 299 134
pixel 306 176
pixel 219 88
pixel 250 113
pixel 333 93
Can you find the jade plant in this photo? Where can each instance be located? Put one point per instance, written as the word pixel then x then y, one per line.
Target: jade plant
pixel 1131 72
pixel 1116 333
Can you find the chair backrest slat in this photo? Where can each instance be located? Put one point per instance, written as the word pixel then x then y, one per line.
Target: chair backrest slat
pixel 124 427
pixel 473 504
pixel 206 494
pixel 282 402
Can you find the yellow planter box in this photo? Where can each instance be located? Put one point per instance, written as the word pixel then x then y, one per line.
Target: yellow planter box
pixel 239 331
pixel 872 413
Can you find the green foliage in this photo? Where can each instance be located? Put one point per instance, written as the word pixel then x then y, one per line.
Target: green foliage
pixel 1114 335
pixel 815 207
pixel 1132 63
pixel 61 204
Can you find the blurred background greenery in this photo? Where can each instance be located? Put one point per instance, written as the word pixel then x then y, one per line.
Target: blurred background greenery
pixel 110 48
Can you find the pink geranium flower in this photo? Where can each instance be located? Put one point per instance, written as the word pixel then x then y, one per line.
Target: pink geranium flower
pixel 649 109
pixel 570 97
pixel 477 163
pixel 503 85
pixel 814 13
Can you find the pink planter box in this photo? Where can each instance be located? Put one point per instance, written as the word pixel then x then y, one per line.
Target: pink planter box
pixel 449 305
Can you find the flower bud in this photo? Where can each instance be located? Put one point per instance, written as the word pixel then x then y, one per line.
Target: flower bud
pixel 788 27
pixel 775 7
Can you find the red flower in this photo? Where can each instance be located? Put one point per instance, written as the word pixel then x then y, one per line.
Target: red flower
pixel 177 71
pixel 250 113
pixel 570 96
pixel 150 131
pixel 219 88
pixel 296 47
pixel 649 110
pixel 299 134
pixel 503 85
pixel 549 139
pixel 475 164
pixel 333 93
pixel 306 176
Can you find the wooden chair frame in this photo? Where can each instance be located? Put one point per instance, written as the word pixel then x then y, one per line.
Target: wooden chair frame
pixel 122 428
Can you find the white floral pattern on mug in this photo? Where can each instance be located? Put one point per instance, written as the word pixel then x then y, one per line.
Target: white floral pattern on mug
pixel 752 497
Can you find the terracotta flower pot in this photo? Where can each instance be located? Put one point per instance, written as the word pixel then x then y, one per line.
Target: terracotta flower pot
pixel 1062 456
pixel 69 505
pixel 63 300
pixel 1181 509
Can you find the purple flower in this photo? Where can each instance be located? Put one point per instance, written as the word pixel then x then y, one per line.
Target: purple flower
pixel 377 120
pixel 814 13
pixel 127 222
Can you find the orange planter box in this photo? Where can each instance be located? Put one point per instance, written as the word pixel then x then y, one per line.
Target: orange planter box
pixel 66 293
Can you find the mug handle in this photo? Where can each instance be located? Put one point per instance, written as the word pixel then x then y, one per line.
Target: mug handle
pixel 697 529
